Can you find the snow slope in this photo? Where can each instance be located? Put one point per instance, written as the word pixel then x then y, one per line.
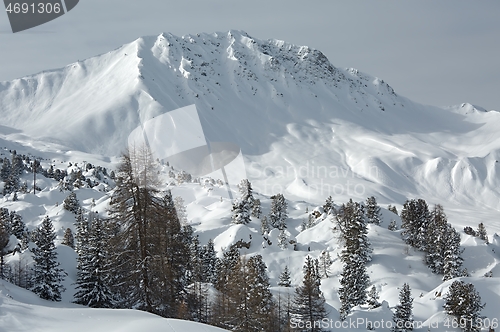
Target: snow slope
pixel 306 129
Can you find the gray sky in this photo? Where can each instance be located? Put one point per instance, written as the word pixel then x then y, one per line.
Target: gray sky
pixel 434 52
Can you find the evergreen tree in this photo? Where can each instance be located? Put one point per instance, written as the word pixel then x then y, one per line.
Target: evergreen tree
pixel 71 203
pixel 325 261
pixel 392 225
pixel 181 210
pixel 356 253
pixel 392 209
pixel 278 214
pixel 240 212
pixel 19 229
pixel 464 304
pixel 256 208
pixel 93 283
pixel 373 211
pixel 415 219
pixel 4 241
pixel 309 303
pixel 264 225
pixel 68 239
pixel 5 171
pixel 437 240
pixel 209 262
pixel 373 297
pixel 403 317
pixel 48 276
pixel 284 280
pixel 452 261
pixel 481 232
pixel 283 239
pixel 329 207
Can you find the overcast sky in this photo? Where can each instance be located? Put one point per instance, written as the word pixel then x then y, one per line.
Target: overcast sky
pixel 434 52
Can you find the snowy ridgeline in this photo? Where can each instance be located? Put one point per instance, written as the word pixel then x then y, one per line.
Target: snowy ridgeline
pixel 359 262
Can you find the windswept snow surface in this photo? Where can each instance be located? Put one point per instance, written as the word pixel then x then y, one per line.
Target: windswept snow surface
pixel 305 128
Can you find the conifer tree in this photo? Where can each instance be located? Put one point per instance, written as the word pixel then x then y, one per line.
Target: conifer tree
pixel 4 241
pixel 71 203
pixel 278 214
pixel 392 209
pixel 5 171
pixel 373 297
pixel 452 260
pixel 209 262
pixel 284 280
pixel 392 225
pixel 68 239
pixel 283 239
pixel 372 213
pixel 264 225
pixel 48 276
pixel 93 275
pixel 463 302
pixel 356 253
pixel 325 261
pixel 403 317
pixel 481 232
pixel 309 303
pixel 329 207
pixel 240 212
pixel 437 240
pixel 415 219
pixel 256 208
pixel 180 208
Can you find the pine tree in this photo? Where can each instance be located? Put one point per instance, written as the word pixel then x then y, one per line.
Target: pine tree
pixel 325 261
pixel 283 239
pixel 309 303
pixel 373 297
pixel 68 239
pixel 240 212
pixel 452 261
pixel 209 262
pixel 437 240
pixel 403 317
pixel 356 253
pixel 5 171
pixel 71 203
pixel 278 214
pixel 264 225
pixel 373 214
pixel 284 280
pixel 256 208
pixel 464 303
pixel 481 232
pixel 329 207
pixel 4 241
pixel 93 283
pixel 48 276
pixel 415 219
pixel 181 210
pixel 392 209
pixel 392 225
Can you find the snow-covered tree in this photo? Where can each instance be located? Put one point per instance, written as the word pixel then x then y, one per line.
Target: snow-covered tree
pixel 481 232
pixel 240 212
pixel 356 253
pixel 415 219
pixel 4 241
pixel 452 261
pixel 392 209
pixel 180 208
pixel 284 280
pixel 372 211
pixel 329 207
pixel 209 262
pixel 93 277
pixel 264 225
pixel 283 239
pixel 278 214
pixel 373 297
pixel 256 208
pixel 403 317
pixel 309 302
pixel 68 239
pixel 393 226
pixel 464 304
pixel 325 261
pixel 47 274
pixel 71 203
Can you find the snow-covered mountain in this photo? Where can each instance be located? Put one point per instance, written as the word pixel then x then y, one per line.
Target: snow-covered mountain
pixel 305 128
